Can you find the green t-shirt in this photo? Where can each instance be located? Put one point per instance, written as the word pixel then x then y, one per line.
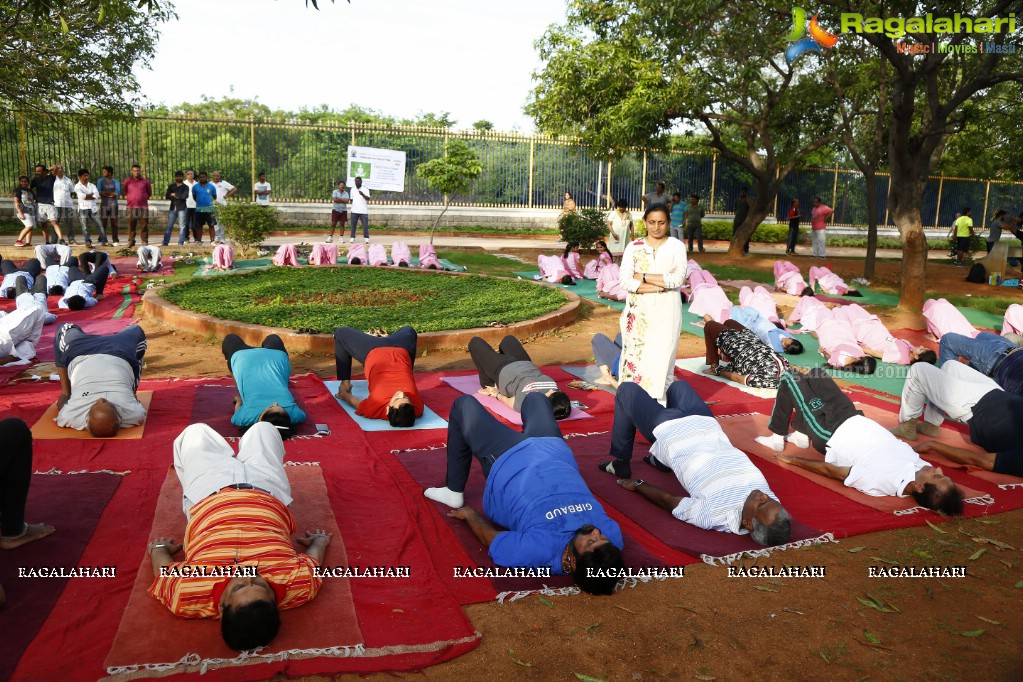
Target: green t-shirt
pixel 964 225
pixel 694 216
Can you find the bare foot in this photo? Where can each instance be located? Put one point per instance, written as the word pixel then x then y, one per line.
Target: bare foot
pixel 33 531
pixel 708 318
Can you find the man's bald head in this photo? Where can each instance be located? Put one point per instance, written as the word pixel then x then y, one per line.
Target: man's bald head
pixel 104 422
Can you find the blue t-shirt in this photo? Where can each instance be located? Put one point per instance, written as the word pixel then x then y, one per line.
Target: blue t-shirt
pixel 262 378
pixel 535 491
pixel 204 196
pixel 765 330
pixel 677 211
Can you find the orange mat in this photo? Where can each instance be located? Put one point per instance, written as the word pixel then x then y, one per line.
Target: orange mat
pixel 743 428
pixel 153 642
pixel 46 429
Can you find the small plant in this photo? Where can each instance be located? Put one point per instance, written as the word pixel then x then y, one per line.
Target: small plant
pixel 585 226
pixel 451 173
pixel 247 224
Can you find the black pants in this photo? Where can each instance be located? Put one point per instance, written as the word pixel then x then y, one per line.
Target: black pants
pixel 793 237
pixel 38 286
pixel 472 430
pixel 31 266
pixel 490 362
pixel 635 409
pixel 697 232
pixel 91 260
pixel 233 343
pixel 15 475
pixel 97 277
pixel 820 406
pixel 352 344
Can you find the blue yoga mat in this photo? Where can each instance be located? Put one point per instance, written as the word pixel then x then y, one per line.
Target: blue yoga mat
pixel 360 389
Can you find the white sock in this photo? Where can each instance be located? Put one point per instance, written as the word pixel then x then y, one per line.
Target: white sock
pixel 800 440
pixel 774 441
pixel 446 496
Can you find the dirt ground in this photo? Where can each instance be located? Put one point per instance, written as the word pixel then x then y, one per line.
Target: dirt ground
pixel 708 626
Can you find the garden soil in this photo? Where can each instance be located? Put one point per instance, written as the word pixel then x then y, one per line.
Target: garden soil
pixel 708 626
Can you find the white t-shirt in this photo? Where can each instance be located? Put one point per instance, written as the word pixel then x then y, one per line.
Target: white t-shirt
pixel 261 199
pixel 359 204
pixel 78 288
pixel 62 188
pixel 57 276
pixel 190 202
pixel 100 376
pixel 82 191
pixel 879 464
pixel 223 187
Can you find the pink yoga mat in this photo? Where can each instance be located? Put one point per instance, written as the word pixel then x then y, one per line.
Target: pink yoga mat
pixel 470 385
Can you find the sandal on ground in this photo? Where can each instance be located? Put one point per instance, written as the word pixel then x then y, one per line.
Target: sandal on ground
pixel 649 459
pixel 616 467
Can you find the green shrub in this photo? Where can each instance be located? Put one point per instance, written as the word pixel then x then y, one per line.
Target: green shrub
pixel 764 234
pixel 247 224
pixel 585 226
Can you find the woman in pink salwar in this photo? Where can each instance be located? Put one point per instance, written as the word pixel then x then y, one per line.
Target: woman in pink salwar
pixel 876 341
pixel 760 300
pixel 571 260
pixel 707 298
pixel 552 269
pixel 787 278
pixel 943 317
pixel 602 260
pixel 608 285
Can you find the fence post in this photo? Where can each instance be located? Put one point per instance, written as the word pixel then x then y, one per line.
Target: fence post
pixel 23 144
pixel 713 181
pixel 937 211
pixel 777 173
pixel 532 149
pixel 252 159
pixel 142 143
pixel 887 196
pixel 642 187
pixel 834 196
pixel 607 197
pixel 987 193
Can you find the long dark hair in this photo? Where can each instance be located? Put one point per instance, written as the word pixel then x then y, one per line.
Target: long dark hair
pixel 568 248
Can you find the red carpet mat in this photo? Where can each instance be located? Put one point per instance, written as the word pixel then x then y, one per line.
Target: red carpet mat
pixel 73 505
pixel 214 405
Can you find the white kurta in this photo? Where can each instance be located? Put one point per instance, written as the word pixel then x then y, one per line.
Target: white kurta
pixel 651 323
pixel 621 226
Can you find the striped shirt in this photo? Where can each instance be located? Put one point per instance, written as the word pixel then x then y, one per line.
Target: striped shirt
pixel 718 477
pixel 249 527
pixel 751 357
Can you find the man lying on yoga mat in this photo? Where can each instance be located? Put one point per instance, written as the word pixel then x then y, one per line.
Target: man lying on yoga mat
pixel 988 353
pixel 29 270
pixel 84 290
pixel 98 379
pixel 748 360
pixel 387 362
pixel 261 375
pixel 238 520
pixel 20 331
pixel 541 512
pixel 857 451
pixel 726 491
pixel 509 375
pixel 964 395
pixel 15 476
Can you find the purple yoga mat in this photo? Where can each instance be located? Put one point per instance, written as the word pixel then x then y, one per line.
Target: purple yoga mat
pixel 470 385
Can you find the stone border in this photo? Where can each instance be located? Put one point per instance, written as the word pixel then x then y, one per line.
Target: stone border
pixel 157 307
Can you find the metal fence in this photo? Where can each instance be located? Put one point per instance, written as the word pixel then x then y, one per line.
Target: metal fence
pixel 303 162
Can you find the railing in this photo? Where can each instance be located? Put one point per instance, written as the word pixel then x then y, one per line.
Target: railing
pixel 303 162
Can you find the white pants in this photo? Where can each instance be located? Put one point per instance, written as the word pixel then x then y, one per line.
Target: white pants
pixel 53 254
pixel 149 258
pixel 817 240
pixel 28 301
pixel 20 331
pixel 205 463
pixel 951 391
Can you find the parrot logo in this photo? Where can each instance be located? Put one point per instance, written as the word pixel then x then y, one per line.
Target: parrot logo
pixel 818 41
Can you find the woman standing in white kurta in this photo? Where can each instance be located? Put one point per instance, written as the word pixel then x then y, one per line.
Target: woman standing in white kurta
pixel 653 268
pixel 619 227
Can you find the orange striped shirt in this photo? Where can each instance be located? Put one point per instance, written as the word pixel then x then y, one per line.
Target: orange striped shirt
pixel 250 526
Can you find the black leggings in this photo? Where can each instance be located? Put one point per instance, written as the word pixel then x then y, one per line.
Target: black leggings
pixel 820 406
pixel 31 266
pixel 38 286
pixel 233 343
pixel 490 362
pixel 352 344
pixel 15 475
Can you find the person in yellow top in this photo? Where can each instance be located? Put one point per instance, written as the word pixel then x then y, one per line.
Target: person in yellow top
pixel 964 233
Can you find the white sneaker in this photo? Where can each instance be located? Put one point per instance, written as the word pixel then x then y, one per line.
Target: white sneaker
pixel 367 240
pixel 352 240
pixel 117 243
pixel 330 239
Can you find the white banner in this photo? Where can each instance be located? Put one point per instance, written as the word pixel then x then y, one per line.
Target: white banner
pixel 380 169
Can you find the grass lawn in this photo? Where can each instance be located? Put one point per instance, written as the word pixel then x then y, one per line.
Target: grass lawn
pixel 325 298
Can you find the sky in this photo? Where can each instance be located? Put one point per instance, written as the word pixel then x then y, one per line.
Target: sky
pixel 473 58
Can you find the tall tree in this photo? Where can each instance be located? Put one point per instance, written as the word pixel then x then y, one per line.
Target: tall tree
pixel 625 73
pixel 59 55
pixel 929 98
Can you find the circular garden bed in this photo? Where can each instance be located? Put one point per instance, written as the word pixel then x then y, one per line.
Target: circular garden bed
pixel 321 299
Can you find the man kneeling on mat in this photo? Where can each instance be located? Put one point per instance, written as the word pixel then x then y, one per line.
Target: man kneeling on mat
pixel 542 514
pixel 509 375
pixel 726 491
pixel 98 379
pixel 239 523
pixel 261 375
pixel 387 362
pixel 857 451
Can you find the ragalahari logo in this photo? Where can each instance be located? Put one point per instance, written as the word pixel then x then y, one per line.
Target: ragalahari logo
pixel 818 41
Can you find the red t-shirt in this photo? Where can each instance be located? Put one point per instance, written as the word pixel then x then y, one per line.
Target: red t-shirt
pixel 388 370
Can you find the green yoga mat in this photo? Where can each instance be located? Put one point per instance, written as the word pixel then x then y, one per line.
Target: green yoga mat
pixel 251 264
pixel 888 378
pixel 587 288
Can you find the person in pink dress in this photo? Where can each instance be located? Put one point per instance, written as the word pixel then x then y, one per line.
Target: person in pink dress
pixel 428 257
pixel 378 254
pixel 571 260
pixel 876 341
pixel 552 269
pixel 400 255
pixel 608 285
pixel 223 257
pixel 787 278
pixel 357 254
pixel 1013 322
pixel 603 259
pixel 831 284
pixel 943 317
pixel 836 337
pixel 286 255
pixel 818 226
pixel 707 298
pixel 760 300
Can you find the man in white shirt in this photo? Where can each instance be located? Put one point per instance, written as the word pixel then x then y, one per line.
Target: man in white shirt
pixel 857 451
pixel 262 191
pixel 87 194
pixel 58 277
pixel 50 254
pixel 360 210
pixel 225 190
pixel 98 379
pixel 149 259
pixel 30 269
pixel 190 209
pixel 727 492
pixel 19 333
pixel 62 191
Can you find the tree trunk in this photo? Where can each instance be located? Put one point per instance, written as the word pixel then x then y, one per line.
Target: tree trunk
pixel 761 206
pixel 437 221
pixel 906 201
pixel 870 183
